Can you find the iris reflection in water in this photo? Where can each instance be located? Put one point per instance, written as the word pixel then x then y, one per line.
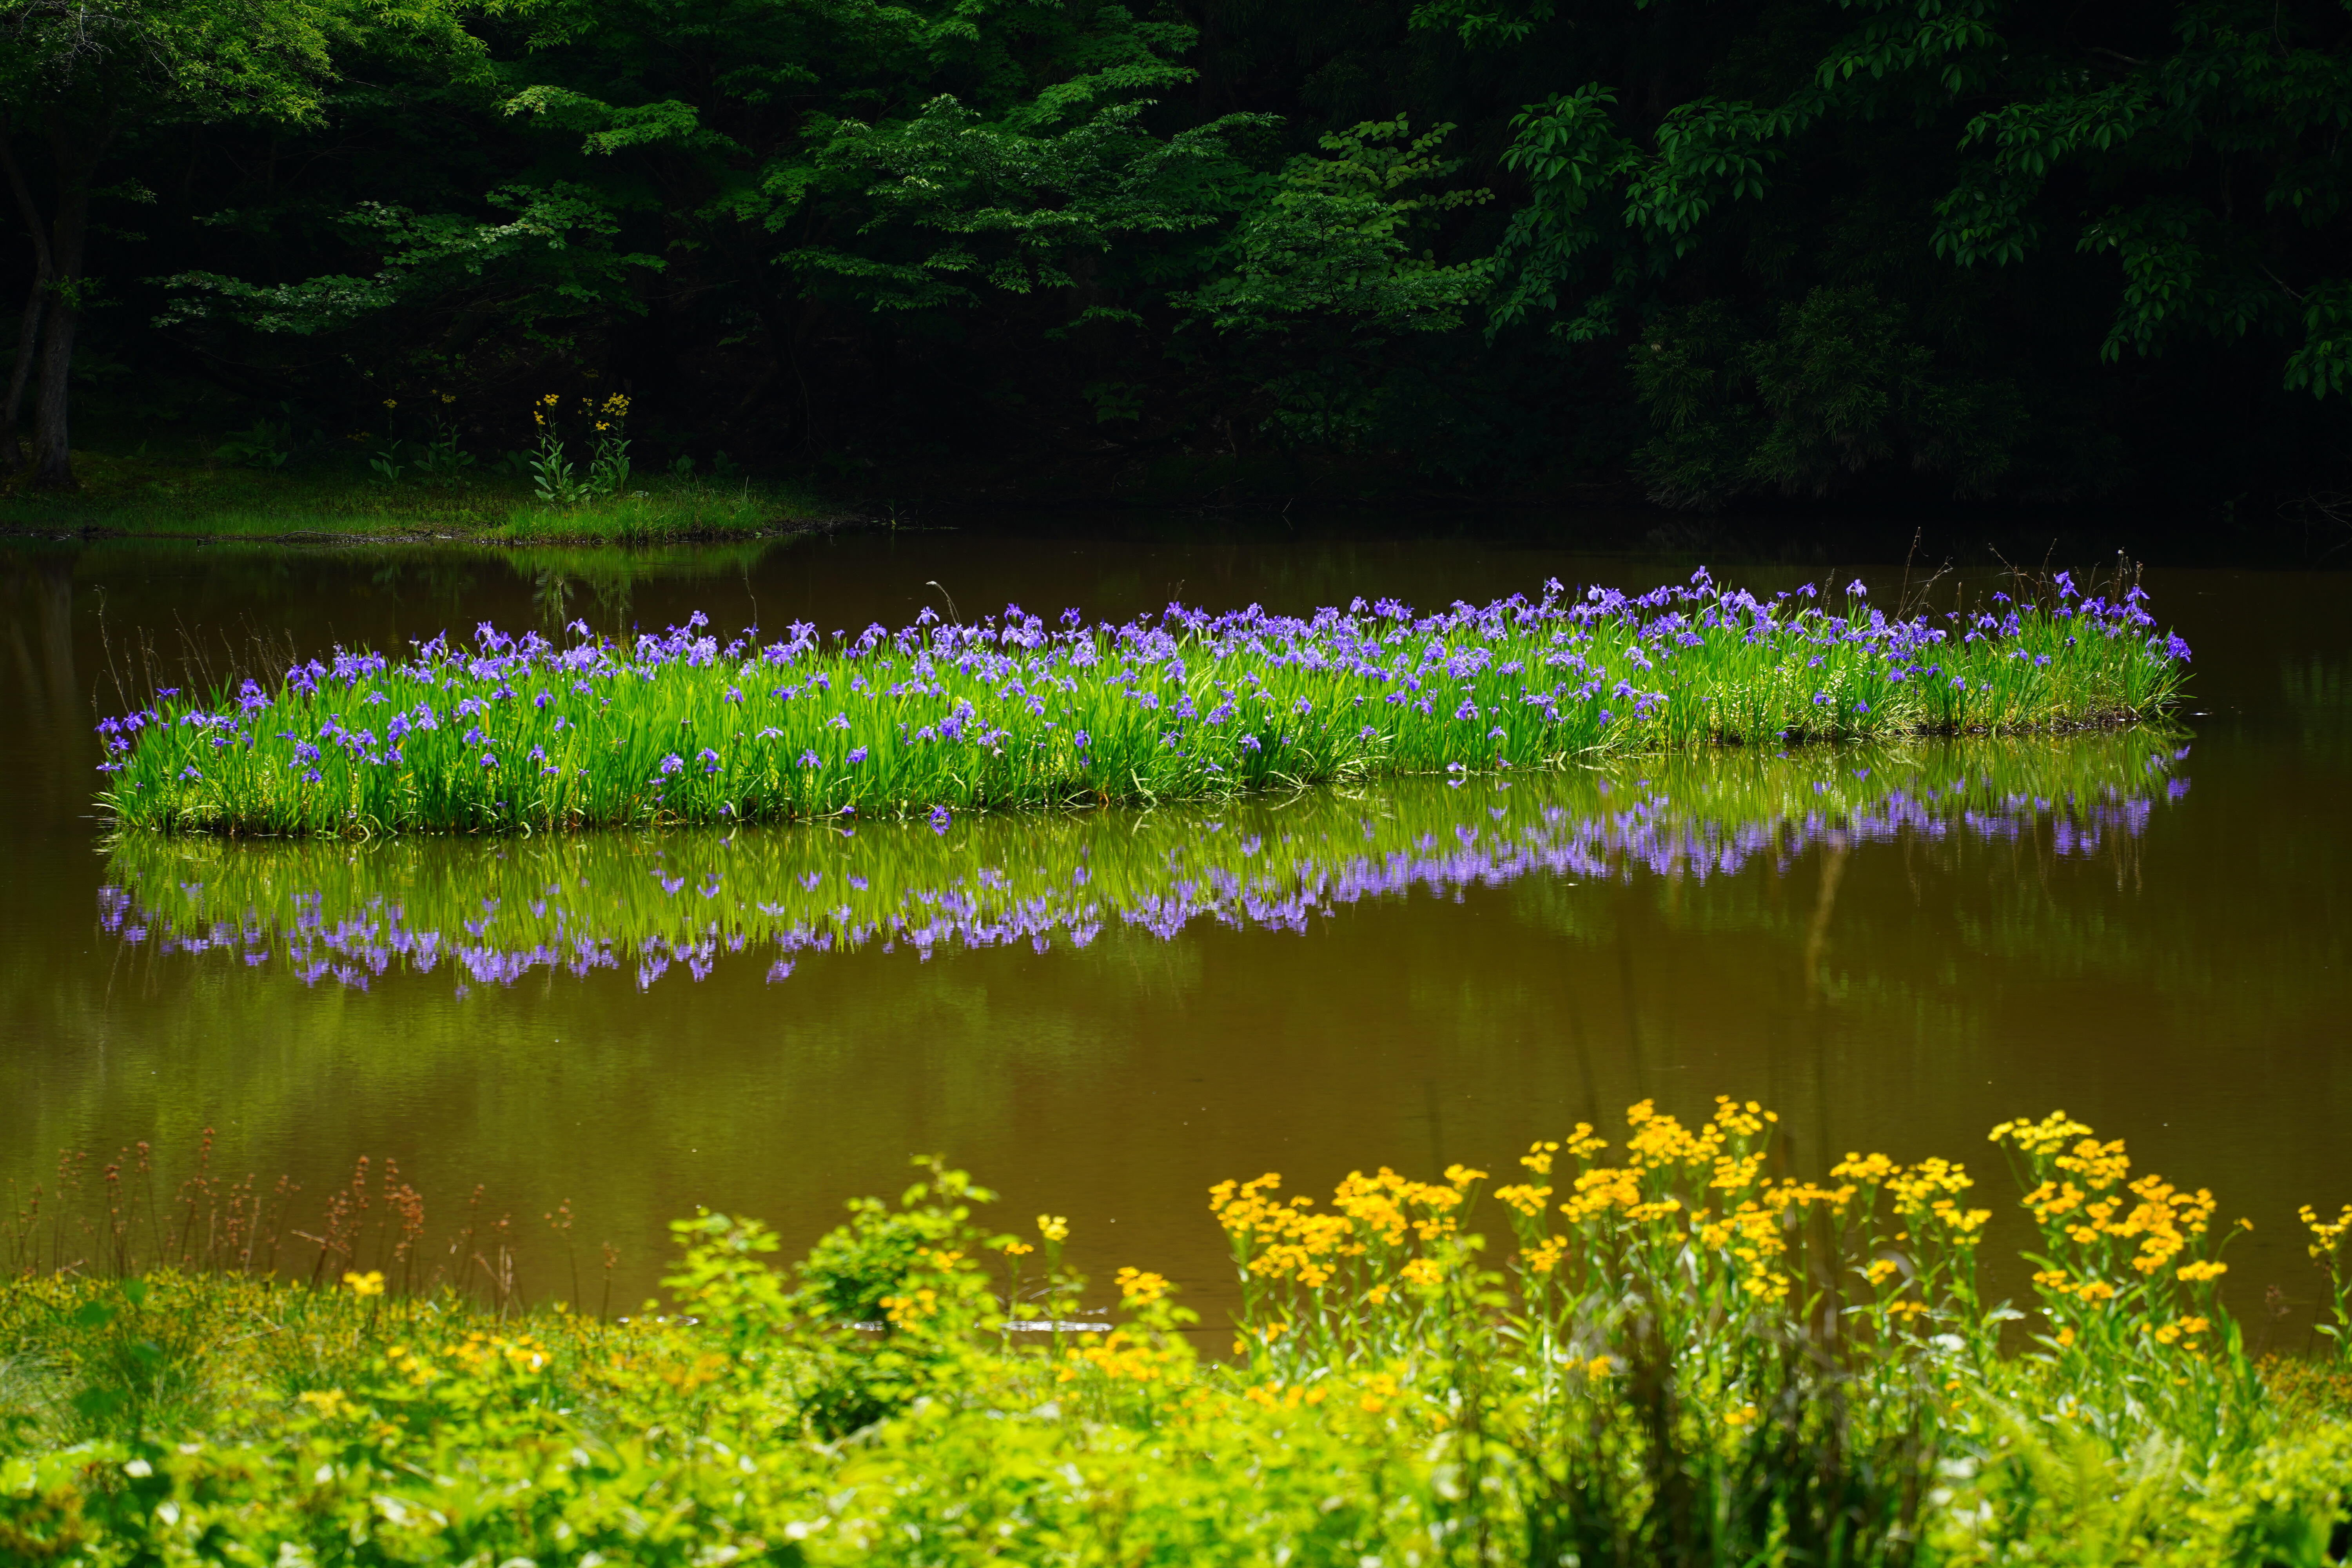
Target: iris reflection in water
pixel 497 912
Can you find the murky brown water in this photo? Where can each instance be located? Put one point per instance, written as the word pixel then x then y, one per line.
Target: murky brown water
pixel 1103 1014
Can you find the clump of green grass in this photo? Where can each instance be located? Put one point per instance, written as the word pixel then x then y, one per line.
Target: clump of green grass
pixel 192 499
pixel 1688 1354
pixel 1008 714
pixel 671 508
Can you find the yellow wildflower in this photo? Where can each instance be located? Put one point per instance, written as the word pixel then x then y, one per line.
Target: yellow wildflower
pixel 327 1403
pixel 1139 1288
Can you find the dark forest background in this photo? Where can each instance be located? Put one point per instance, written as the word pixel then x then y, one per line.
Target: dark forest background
pixel 1726 255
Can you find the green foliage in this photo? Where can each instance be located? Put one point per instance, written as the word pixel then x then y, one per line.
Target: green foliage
pixel 329 496
pixel 1661 1370
pixel 997 716
pixel 1333 238
pixel 1837 389
pixel 267 444
pixel 1095 245
pixel 552 258
pixel 2263 88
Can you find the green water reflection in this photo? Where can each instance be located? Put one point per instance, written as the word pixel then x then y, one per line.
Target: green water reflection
pixel 501 912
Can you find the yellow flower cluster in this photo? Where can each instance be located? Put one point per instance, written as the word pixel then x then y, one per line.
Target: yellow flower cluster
pixel 914 1308
pixel 2119 1246
pixel 2089 1205
pixel 2325 1234
pixel 921 1303
pixel 1529 1201
pixel 1669 1174
pixel 1695 1217
pixel 1140 1287
pixel 2092 1292
pixel 1279 1397
pixel 1121 1357
pixel 329 1403
pixel 1923 1194
pixel 478 1354
pixel 1278 1239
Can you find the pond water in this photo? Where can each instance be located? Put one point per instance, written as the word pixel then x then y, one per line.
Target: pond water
pixel 1102 1013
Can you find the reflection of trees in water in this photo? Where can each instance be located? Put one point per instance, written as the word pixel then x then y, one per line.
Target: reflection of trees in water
pixel 2319 695
pixel 57 717
pixel 1953 924
pixel 610 577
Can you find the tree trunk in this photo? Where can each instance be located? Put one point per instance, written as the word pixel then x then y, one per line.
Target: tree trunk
pixel 29 332
pixel 20 375
pixel 52 459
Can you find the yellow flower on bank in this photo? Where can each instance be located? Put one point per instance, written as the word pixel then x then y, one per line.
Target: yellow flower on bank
pixel 365 1285
pixel 392 403
pixel 1052 1226
pixel 1140 1287
pixel 327 1403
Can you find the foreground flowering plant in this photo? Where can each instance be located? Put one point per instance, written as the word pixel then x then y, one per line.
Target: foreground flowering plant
pixel 517 732
pixel 1690 1354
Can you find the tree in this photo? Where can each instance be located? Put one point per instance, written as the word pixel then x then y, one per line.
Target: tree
pixel 2200 144
pixel 79 78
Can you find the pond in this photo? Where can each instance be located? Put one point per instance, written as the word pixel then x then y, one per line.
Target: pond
pixel 1104 1013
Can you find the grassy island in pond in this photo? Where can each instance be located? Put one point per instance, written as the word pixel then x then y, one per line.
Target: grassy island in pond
pixel 1675 1352
pixel 508 734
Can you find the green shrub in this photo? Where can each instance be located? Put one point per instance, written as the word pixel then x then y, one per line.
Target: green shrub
pixel 1685 1358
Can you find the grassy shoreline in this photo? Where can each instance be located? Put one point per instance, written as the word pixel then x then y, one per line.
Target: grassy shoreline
pixel 1658 1345
pixel 141 498
pixel 522 734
